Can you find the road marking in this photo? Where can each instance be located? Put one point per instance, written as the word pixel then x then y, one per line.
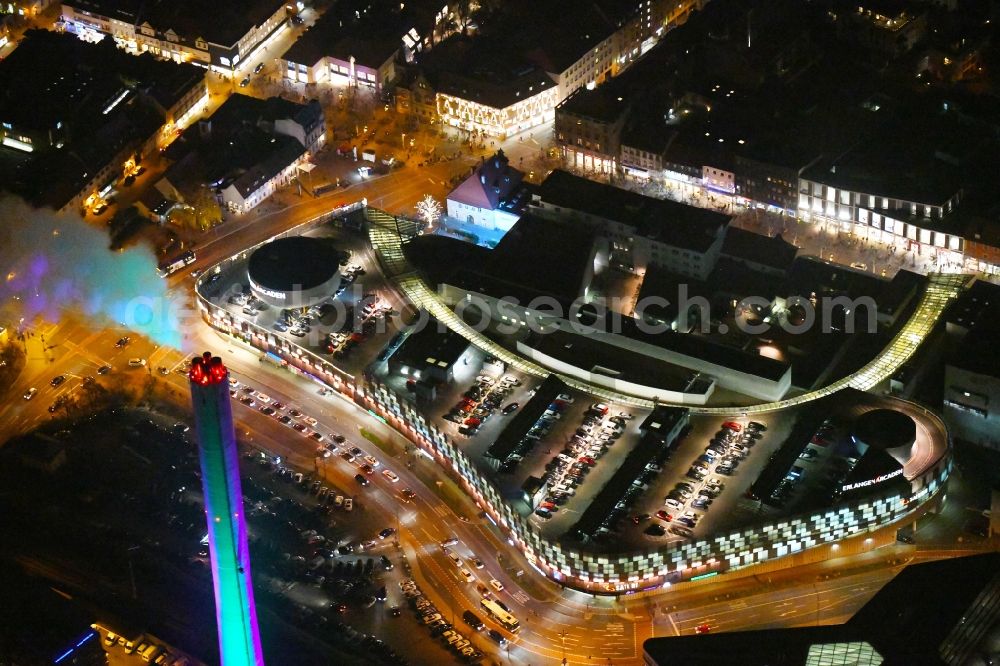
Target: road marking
pixel 521 597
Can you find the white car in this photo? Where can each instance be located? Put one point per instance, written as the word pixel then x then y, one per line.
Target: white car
pixel 136 362
pixel 467 575
pixel 389 474
pixel 371 461
pixel 456 560
pixel 674 504
pixel 449 542
pixel 496 585
pixel 264 399
pixel 30 393
pixel 565 397
pixel 310 420
pixel 234 383
pixel 349 504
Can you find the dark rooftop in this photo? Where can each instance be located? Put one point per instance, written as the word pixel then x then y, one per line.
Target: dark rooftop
pixel 97 98
pixel 371 38
pixel 537 257
pixel 430 344
pixel 296 262
pixel 222 22
pixel 772 251
pixel 931 613
pixel 496 93
pixel 976 306
pixel 669 222
pixel 238 145
pixel 601 359
pixel 525 418
pixel 601 104
pixel 979 351
pixel 697 346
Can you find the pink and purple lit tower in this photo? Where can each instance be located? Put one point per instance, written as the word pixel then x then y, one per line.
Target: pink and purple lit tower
pixel 235 613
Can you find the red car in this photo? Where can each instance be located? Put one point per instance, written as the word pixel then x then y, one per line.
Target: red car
pixel 663 515
pixel 472 422
pixel 548 506
pixel 587 460
pixel 732 425
pixel 702 629
pixel 820 441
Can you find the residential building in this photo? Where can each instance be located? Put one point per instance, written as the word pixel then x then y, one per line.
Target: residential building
pixel 492 196
pixel 219 35
pixel 72 114
pixel 972 370
pixel 588 127
pixel 360 44
pixel 639 230
pixel 510 77
pixel 499 107
pixel 27 8
pixel 888 28
pixel 772 255
pixel 245 151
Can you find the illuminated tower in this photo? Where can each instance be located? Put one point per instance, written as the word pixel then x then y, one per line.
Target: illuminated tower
pixel 235 613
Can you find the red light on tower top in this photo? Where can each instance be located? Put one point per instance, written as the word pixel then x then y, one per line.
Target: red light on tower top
pixel 207 369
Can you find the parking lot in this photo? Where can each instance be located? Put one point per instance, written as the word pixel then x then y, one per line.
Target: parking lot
pixel 348 329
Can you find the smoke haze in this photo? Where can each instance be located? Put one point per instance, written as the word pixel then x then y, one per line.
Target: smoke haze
pixel 53 263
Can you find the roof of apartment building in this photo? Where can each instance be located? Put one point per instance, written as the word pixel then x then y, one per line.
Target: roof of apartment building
pixel 601 104
pixel 237 145
pixel 496 92
pixel 666 221
pixel 772 251
pixel 222 22
pixel 244 109
pixel 979 352
pixel 284 152
pixel 99 98
pixel 492 182
pixel 979 305
pixel 54 77
pixel 371 38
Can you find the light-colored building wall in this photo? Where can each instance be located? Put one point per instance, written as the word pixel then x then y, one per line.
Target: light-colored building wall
pixel 972 406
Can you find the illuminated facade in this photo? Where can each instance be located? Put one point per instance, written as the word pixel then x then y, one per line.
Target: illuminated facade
pixel 140 32
pixel 862 523
pixel 499 121
pixel 235 612
pixel 912 225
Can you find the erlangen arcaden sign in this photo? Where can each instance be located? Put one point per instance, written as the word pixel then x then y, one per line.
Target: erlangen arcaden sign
pixel 871 482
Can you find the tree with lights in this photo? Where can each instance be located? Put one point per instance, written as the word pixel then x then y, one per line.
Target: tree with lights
pixel 429 210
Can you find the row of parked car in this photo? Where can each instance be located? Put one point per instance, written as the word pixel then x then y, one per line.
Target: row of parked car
pixel 567 470
pixel 689 500
pixel 482 399
pixel 439 627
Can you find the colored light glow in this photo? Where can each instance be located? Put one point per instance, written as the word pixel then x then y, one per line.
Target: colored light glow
pixel 236 616
pixel 207 369
pixel 707 575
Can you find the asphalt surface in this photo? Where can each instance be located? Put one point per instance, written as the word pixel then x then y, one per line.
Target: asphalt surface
pixel 551 617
